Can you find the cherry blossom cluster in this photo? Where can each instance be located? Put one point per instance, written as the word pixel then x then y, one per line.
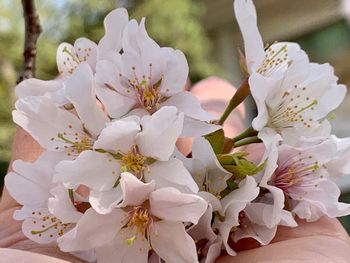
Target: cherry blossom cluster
pixel 111 184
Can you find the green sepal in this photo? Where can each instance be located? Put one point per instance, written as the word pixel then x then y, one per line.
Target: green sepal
pixel 217 140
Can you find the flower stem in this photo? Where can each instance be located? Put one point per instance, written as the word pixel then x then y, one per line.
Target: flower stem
pixel 237 99
pixel 247 141
pixel 250 132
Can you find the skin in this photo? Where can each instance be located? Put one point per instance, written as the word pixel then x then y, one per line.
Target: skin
pixel 322 241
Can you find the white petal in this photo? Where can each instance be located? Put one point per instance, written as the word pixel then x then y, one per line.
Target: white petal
pixel 203 229
pixel 172 243
pixel 37 87
pixel 322 200
pixel 215 174
pixel 67 59
pixel 86 50
pixel 172 205
pixel 105 201
pixel 114 24
pixel 159 133
pixel 118 136
pixel 188 104
pixel 42 227
pixel 107 89
pixel 262 234
pixel 95 170
pixel 44 120
pixel 253 44
pixel 61 206
pixel 135 192
pixel 246 193
pixel 196 128
pixel 118 251
pixel 93 230
pixel 79 90
pixel 29 178
pixel 175 73
pixel 171 173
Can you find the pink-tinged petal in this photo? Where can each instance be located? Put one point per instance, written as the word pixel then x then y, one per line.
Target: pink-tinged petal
pixel 320 201
pixel 61 206
pixel 86 50
pixel 176 72
pixel 216 176
pixel 118 136
pixel 171 173
pixel 188 104
pixel 196 128
pixel 211 199
pixel 119 251
pixel 225 230
pixel 93 230
pixel 135 192
pixel 43 120
pixel 253 44
pixel 172 205
pixel 95 170
pixel 43 228
pixel 114 24
pixel 105 201
pixel 159 133
pixel 203 229
pixel 29 178
pixel 79 91
pixel 172 243
pixel 67 60
pixel 37 87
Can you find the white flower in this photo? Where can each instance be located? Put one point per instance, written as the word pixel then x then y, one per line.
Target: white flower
pixel 57 129
pixel 149 77
pixel 270 62
pixel 30 185
pixel 69 57
pixel 147 218
pixel 205 168
pixel 303 176
pixel 297 104
pixel 143 147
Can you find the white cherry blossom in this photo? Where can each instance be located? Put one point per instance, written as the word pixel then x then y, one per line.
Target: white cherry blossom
pixel 69 57
pixel 57 129
pixel 303 176
pixel 268 62
pixel 147 218
pixel 149 77
pixel 30 185
pixel 143 147
pixel 297 104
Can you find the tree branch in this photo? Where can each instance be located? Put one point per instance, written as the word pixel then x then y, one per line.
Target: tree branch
pixel 32 33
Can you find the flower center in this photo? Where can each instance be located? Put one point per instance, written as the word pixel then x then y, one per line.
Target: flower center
pixel 274 60
pixel 292 110
pixel 146 91
pixel 134 162
pixel 296 175
pixel 76 144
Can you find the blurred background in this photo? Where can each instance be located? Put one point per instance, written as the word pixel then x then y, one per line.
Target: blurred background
pixel 204 30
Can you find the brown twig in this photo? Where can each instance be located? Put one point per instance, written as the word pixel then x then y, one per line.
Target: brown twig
pixel 32 33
